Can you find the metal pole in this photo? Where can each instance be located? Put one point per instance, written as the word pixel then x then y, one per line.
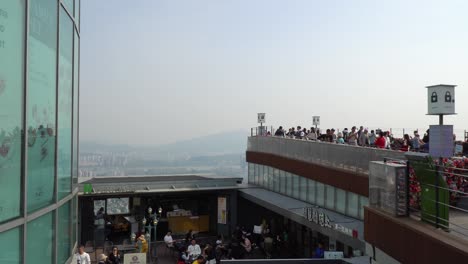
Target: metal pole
pixel 437 193
pixel 407 188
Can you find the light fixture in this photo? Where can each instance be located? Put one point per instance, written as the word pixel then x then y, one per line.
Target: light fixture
pixel 132 237
pixel 148 236
pixel 144 221
pixel 150 210
pixel 160 210
pixel 155 221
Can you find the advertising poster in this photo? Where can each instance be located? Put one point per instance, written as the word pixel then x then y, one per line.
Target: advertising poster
pixel 222 214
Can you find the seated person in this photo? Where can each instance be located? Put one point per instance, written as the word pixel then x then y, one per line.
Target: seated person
pixel 168 239
pixel 194 249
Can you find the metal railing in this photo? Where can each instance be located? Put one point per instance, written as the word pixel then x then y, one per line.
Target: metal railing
pixel 437 194
pixel 347 157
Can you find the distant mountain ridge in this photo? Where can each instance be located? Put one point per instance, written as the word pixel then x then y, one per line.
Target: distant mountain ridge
pixel 232 142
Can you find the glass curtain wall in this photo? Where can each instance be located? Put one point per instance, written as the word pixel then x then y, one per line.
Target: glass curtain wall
pixel 307 190
pixel 39 105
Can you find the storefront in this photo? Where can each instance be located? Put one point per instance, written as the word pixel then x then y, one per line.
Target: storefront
pixel 117 209
pixel 306 225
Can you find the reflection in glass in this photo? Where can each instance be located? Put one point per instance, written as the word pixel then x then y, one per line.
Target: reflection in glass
pixel 39 245
pixel 11 98
pixel 117 206
pixel 64 139
pixel 64 233
pixel 11 246
pixel 41 103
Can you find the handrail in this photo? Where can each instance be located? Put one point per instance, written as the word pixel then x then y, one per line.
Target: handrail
pixel 347 157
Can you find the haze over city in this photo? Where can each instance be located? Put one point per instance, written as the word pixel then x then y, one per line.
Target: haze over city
pixel 155 72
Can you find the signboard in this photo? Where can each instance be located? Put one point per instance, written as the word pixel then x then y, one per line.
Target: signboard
pixel 222 213
pixel 261 118
pixel 441 99
pixel 458 149
pixel 333 255
pixel 316 120
pixel 318 217
pixel 135 258
pixel 441 141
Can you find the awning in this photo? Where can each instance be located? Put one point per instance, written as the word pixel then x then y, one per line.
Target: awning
pixel 347 230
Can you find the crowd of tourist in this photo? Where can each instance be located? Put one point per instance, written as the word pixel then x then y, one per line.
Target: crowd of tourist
pixel 358 137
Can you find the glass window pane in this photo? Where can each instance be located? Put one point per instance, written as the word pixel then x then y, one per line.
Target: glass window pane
pixel 11 98
pixel 289 183
pixel 265 176
pixel 295 190
pixel 76 86
pixel 117 206
pixel 303 188
pixel 41 108
pixel 271 178
pixel 330 201
pixel 312 192
pixel 251 173
pixel 260 176
pixel 69 5
pixel 64 233
pixel 40 237
pixel 257 172
pixel 11 246
pixel 283 182
pixel 98 204
pixel 320 194
pixel 65 107
pixel 276 179
pixel 353 204
pixel 363 201
pixel 340 200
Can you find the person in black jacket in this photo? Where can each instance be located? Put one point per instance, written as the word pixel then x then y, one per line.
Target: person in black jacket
pixel 114 256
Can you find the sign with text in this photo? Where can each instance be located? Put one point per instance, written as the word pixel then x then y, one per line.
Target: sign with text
pixel 441 141
pixel 316 120
pixel 222 212
pixel 135 258
pixel 261 118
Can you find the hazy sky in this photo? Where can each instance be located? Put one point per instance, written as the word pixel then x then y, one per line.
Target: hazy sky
pixel 156 71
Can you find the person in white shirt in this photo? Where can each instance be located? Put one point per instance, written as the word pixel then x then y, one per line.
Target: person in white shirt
pixel 194 249
pixel 82 257
pixel 168 239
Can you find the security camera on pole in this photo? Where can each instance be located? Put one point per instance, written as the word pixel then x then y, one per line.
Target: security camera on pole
pixel 261 120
